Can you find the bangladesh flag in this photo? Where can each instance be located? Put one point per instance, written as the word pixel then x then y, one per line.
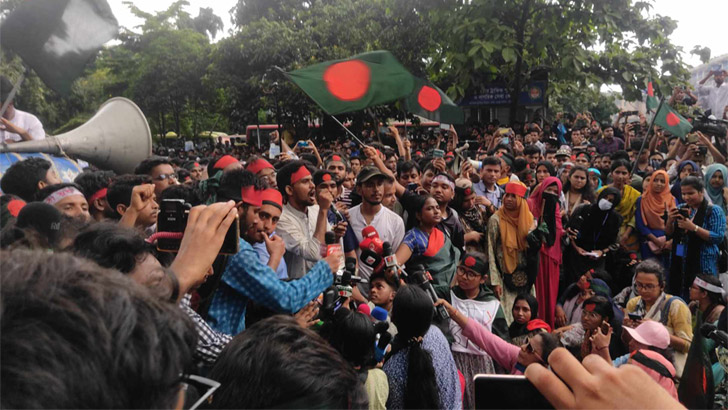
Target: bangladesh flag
pixel 353 84
pixel 426 100
pixel 671 121
pixel 57 38
pixel 651 102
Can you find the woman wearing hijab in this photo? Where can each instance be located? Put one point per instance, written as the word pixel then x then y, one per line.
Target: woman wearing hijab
pixel 596 227
pixel 544 206
pixel 508 230
pixel 595 178
pixel 684 170
pixel 524 310
pixel 716 185
pixel 652 208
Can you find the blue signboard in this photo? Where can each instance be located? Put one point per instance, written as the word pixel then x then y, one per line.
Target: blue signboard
pixel 498 94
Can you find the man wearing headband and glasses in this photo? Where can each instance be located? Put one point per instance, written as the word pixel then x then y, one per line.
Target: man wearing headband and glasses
pixel 442 189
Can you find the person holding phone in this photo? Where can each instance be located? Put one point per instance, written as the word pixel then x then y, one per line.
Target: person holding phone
pixel 654 203
pixel 597 314
pixel 696 230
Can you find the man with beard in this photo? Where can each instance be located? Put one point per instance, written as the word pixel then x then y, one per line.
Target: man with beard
pixel 390 227
pixel 247 278
pixel 443 190
pixel 303 222
pixel 94 186
pixel 270 212
pixel 337 165
pixel 609 143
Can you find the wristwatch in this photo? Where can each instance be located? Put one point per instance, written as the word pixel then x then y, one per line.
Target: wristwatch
pixel 696 229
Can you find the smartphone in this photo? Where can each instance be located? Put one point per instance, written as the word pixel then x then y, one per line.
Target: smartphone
pixel 505 141
pixel 438 153
pixel 412 187
pixel 702 151
pixel 634 316
pixel 445 127
pixel 383 130
pixel 302 143
pixel 684 211
pixel 501 391
pixel 173 218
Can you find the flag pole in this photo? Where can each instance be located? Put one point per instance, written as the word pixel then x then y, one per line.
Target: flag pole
pixel 647 136
pixel 348 131
pixel 14 91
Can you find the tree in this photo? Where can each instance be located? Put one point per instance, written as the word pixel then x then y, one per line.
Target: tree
pixel 579 42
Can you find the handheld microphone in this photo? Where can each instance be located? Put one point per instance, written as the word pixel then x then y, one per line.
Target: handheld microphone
pixel 364 308
pixel 380 314
pixel 371 240
pixel 371 259
pixel 380 349
pixel 711 331
pixel 333 246
pixel 390 260
pixel 418 278
pixel 337 214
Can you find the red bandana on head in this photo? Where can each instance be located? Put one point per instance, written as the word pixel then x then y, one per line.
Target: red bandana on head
pixel 300 174
pixel 251 196
pixel 258 165
pixel 224 161
pixel 326 177
pixel 101 193
pixel 15 206
pixel 273 197
pixel 336 158
pixel 516 188
pixel 469 261
pixel 590 307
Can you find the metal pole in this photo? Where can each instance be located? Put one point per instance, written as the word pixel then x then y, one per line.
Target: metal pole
pixel 14 91
pixel 647 136
pixel 347 130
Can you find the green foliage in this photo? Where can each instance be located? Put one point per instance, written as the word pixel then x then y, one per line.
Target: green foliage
pixel 702 52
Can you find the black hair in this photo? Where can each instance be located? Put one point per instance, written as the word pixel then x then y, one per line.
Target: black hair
pixel 232 182
pixel 621 154
pixel 120 190
pixel 45 192
pixel 531 149
pixel 407 166
pixel 695 182
pixel 491 160
pixel 93 181
pixel 549 167
pixel 146 166
pixel 22 177
pixel 278 364
pixel 283 178
pixel 619 163
pixel 96 339
pixel 602 306
pixel 587 193
pixel 714 297
pixel 412 313
pixel 187 192
pixel 532 303
pixel 549 343
pixel 652 267
pixel 352 334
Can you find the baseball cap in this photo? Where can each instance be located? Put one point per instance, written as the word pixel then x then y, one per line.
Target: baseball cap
pixel 368 173
pixel 563 152
pixel 650 333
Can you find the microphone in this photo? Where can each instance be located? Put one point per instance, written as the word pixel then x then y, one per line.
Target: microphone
pixel 364 308
pixel 371 259
pixel 390 260
pixel 380 314
pixel 339 216
pixel 418 278
pixel 332 246
pixel 381 347
pixel 711 331
pixel 371 240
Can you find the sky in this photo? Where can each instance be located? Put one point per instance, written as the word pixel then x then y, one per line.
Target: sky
pixel 700 22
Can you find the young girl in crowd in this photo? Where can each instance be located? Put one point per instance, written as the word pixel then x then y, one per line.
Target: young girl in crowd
pixel 577 190
pixel 525 309
pixel 544 205
pixel 652 208
pixel 594 230
pixel 420 368
pixel 507 247
pixel 472 297
pixel 595 178
pixel 427 245
pixel 685 169
pixel 716 185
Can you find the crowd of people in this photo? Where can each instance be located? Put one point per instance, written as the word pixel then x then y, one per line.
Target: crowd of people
pixel 383 275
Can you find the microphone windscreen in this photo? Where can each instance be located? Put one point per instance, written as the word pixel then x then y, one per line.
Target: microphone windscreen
pixel 364 308
pixel 380 314
pixel 707 329
pixel 369 232
pixel 330 238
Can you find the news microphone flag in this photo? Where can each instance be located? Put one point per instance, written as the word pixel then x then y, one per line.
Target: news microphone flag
pixel 57 38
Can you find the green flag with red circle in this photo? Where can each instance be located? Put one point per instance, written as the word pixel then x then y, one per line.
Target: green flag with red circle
pixel 355 83
pixel 671 121
pixel 651 101
pixel 426 100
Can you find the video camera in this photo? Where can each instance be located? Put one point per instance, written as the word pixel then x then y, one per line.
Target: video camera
pixel 335 295
pixel 711 127
pixel 172 219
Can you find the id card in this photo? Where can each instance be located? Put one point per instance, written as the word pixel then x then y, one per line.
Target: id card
pixel 680 250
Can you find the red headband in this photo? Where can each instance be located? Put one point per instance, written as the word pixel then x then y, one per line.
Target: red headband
pixel 259 165
pixel 101 193
pixel 197 164
pixel 250 196
pixel 273 197
pixel 336 158
pixel 516 189
pixel 300 174
pixel 14 207
pixel 224 161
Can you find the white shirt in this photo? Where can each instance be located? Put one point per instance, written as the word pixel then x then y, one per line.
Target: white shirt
pixel 388 224
pixel 302 249
pixel 26 121
pixel 714 98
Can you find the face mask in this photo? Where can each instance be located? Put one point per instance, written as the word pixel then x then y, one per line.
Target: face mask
pixel 604 204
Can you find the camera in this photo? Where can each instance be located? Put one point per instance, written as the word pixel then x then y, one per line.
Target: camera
pixel 173 215
pixel 713 128
pixel 628 113
pixel 335 295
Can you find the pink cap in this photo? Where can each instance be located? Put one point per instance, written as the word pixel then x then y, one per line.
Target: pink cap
pixel 650 333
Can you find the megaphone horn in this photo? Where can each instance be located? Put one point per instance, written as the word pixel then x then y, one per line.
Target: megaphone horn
pixel 117 137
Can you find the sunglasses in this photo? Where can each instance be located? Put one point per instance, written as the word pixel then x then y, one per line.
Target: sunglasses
pixel 531 350
pixel 202 386
pixel 162 177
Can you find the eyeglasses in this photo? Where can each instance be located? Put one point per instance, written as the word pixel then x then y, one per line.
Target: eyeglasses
pixel 468 273
pixel 162 177
pixel 645 286
pixel 589 315
pixel 202 385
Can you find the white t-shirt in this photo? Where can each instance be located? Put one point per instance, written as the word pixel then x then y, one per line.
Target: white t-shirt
pixel 714 98
pixel 26 121
pixel 389 226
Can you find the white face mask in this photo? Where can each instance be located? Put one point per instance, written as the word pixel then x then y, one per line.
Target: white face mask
pixel 604 204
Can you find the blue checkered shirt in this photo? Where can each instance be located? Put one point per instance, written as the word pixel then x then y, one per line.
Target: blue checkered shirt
pixel 715 223
pixel 247 278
